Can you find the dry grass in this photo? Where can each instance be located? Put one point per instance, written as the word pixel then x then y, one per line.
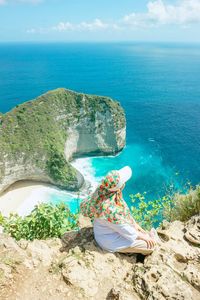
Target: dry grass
pixel 186 206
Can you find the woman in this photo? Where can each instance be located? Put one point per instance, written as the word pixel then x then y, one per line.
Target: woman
pixel 115 230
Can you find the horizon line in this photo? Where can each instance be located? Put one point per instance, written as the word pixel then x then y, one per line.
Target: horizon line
pixel 98 42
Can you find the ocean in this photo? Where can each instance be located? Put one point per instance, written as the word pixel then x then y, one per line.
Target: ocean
pixel 158 85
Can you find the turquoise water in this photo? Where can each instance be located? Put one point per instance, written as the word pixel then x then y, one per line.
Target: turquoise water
pixel 73 202
pixel 157 84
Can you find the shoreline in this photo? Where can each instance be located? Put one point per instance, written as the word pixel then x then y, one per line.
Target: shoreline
pixel 22 196
pixel 14 198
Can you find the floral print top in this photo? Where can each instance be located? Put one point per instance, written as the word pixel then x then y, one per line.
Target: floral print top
pixel 107 205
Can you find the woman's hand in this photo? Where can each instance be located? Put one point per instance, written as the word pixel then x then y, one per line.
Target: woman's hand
pixel 148 239
pixel 139 228
pixel 150 242
pixel 142 230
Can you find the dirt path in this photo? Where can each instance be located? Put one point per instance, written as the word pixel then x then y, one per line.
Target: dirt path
pixel 37 284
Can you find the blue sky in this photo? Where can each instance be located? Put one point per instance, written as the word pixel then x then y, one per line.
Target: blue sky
pixel 100 20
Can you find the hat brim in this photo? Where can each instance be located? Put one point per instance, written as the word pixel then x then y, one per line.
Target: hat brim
pixel 125 174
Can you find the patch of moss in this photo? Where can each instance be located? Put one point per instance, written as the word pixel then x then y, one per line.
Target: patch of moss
pixel 10 261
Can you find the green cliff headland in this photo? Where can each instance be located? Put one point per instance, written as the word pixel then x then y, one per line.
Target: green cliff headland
pixel 39 138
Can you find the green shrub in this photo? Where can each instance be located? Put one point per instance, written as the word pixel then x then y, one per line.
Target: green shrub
pixel 58 168
pixel 45 221
pixel 186 206
pixel 1 219
pixel 173 206
pixel 149 213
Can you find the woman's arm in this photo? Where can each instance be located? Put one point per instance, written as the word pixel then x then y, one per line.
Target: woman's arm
pixel 147 238
pixel 144 235
pixel 134 223
pixel 138 227
pixel 129 232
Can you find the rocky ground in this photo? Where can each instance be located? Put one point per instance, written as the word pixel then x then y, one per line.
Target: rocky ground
pixel 76 268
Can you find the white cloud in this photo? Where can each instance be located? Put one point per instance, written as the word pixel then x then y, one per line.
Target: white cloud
pixel 159 13
pixel 2 2
pixel 31 30
pixel 63 26
pixel 29 1
pixel 94 25
pixel 97 24
pixel 183 13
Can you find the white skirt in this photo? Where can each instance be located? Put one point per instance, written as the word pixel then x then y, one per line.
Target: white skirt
pixel 114 237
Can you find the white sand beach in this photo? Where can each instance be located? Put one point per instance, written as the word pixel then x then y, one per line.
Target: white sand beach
pixel 22 196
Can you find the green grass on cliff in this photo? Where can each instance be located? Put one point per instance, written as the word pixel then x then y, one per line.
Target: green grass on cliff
pixel 31 126
pixel 31 129
pixel 36 125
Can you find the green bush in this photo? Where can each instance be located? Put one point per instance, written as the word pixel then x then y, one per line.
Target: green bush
pixel 173 206
pixel 149 213
pixel 45 221
pixel 1 219
pixel 58 168
pixel 185 206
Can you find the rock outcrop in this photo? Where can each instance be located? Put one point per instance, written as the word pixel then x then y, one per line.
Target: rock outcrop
pixel 78 269
pixel 39 138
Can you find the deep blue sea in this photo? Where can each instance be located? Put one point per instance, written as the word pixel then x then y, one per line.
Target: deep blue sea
pixel 158 85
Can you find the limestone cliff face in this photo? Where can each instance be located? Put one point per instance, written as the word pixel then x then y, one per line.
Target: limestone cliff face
pixel 40 137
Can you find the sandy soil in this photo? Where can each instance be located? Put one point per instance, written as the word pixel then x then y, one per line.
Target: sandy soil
pixel 14 199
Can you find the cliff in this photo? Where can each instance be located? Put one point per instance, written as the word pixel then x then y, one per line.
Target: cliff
pixel 39 138
pixel 76 268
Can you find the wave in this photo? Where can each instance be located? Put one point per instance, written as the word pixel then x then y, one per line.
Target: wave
pixel 85 167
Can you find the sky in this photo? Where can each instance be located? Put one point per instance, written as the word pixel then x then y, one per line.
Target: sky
pixel 99 20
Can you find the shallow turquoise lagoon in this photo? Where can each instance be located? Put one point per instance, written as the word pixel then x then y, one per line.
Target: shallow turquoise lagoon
pixel 157 84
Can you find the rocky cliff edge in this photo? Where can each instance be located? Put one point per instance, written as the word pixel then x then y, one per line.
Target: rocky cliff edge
pixel 76 268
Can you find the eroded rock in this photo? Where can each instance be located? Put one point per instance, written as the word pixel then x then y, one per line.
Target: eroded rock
pixel 172 270
pixel 84 271
pixel 192 230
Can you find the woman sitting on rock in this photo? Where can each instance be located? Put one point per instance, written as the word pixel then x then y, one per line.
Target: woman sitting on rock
pixel 115 230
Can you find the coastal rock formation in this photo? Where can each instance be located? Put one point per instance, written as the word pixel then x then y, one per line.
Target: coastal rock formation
pixel 39 138
pixel 78 269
